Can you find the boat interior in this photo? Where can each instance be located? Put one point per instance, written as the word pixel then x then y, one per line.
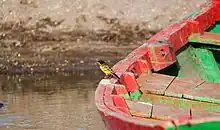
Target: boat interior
pixel 200 58
pixel 188 88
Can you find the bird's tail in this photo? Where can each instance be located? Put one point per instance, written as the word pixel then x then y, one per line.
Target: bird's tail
pixel 116 76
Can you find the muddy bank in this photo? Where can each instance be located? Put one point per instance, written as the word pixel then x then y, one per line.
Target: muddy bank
pixel 26 48
pixel 53 36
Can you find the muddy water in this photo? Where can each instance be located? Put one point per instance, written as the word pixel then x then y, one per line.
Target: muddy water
pixel 50 102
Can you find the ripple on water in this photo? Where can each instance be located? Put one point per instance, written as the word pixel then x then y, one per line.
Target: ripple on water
pixel 45 102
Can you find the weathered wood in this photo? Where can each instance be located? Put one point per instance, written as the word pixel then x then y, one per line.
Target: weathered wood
pixel 139 109
pixel 154 83
pixel 161 54
pixel 198 63
pixel 122 91
pixel 165 112
pixel 182 85
pixel 211 71
pixel 129 81
pixel 206 38
pixel 207 91
pixel 199 113
pixel 141 66
pixel 179 102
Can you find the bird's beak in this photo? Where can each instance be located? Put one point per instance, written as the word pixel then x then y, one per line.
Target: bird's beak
pixel 98 63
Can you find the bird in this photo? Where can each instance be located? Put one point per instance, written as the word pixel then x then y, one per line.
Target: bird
pixel 107 69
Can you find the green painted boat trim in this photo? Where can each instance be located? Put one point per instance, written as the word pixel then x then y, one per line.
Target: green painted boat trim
pixel 207 99
pixel 135 95
pixel 178 95
pixel 202 98
pixel 180 102
pixel 211 125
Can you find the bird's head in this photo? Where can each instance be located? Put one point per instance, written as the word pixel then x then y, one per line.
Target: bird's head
pixel 100 62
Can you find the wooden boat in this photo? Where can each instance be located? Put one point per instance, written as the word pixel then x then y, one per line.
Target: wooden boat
pixel 171 82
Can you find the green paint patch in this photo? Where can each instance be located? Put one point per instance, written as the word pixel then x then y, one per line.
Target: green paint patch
pixel 209 125
pixel 180 102
pixel 135 95
pixel 197 60
pixel 192 14
pixel 207 99
pixel 180 74
pixel 199 63
pixel 125 96
pixel 214 28
pixel 171 94
pixel 207 62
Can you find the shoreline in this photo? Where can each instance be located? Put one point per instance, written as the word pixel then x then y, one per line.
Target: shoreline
pixel 34 36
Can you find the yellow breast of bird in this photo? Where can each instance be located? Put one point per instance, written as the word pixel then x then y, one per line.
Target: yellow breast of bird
pixel 106 69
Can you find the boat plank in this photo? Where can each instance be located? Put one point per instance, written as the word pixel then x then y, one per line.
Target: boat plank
pixel 139 109
pixel 201 62
pixel 165 112
pixel 154 83
pixel 179 102
pixel 206 38
pixel 198 114
pixel 208 92
pixel 182 85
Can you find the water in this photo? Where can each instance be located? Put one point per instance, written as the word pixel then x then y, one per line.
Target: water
pixel 50 102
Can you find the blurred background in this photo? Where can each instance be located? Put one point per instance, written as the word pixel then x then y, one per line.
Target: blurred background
pixel 48 53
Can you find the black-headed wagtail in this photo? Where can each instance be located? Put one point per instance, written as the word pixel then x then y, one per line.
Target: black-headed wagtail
pixel 106 69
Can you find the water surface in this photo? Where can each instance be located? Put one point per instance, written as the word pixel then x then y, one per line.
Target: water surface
pixel 50 102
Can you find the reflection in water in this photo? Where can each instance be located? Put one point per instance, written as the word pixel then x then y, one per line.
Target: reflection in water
pixel 50 102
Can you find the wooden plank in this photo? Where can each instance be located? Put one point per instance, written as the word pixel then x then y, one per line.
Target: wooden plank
pixel 200 62
pixel 180 102
pixel 139 109
pixel 206 38
pixel 208 92
pixel 182 85
pixel 154 83
pixel 198 114
pixel 165 112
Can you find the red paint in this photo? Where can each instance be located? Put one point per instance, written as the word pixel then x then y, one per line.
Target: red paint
pixel 129 81
pixel 179 37
pixel 107 98
pixel 113 111
pixel 120 89
pixel 115 119
pixel 119 101
pixel 161 55
pixel 141 66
